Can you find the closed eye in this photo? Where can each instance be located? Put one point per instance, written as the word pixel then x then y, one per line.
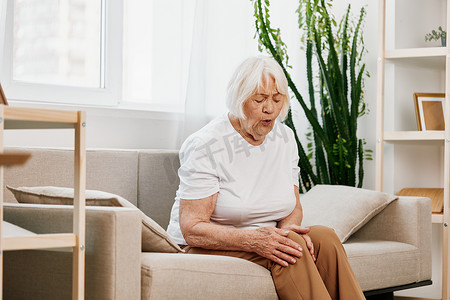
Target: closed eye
pixel 277 97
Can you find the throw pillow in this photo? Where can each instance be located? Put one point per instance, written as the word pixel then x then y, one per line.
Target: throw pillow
pixel 61 196
pixel 343 208
pixel 154 237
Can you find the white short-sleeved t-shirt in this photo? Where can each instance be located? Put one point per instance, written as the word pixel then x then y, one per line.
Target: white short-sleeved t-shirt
pixel 255 183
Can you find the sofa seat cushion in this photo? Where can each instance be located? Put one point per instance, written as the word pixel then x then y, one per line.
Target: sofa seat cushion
pixel 380 264
pixel 203 277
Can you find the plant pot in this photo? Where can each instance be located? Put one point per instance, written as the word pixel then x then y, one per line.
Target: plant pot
pixel 444 42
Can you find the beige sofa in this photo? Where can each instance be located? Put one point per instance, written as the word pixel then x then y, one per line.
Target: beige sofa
pixel 390 252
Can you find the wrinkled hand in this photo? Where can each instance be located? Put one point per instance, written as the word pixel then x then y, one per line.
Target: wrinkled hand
pixel 303 231
pixel 273 243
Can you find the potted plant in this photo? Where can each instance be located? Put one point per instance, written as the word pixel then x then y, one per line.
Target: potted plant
pixel 334 154
pixel 436 35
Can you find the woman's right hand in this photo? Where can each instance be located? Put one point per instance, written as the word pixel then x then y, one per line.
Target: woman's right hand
pixel 273 243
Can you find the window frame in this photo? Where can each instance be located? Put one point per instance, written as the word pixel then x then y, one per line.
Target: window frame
pixel 109 95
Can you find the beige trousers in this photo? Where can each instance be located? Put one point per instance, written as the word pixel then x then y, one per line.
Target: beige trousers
pixel 330 277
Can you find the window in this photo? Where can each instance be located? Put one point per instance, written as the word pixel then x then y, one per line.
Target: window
pixel 131 54
pixel 98 52
pixel 66 41
pixel 64 51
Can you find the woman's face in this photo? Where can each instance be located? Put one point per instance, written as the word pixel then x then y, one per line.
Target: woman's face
pixel 261 110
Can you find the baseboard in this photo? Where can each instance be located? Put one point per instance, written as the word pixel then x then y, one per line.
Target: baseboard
pixel 388 292
pixel 412 298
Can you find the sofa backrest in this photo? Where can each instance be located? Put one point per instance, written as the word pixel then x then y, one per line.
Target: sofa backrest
pixel 114 171
pixel 158 183
pixel 146 178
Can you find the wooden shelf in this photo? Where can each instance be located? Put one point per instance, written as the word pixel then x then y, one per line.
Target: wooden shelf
pixel 28 118
pixel 40 241
pixel 393 136
pixel 416 52
pixel 40 115
pixel 417 68
pixel 11 159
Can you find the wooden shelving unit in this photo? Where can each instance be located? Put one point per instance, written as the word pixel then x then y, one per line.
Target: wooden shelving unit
pixel 439 56
pixel 397 136
pixel 23 118
pixel 416 52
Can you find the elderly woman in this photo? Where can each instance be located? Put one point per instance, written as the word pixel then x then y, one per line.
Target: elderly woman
pixel 238 193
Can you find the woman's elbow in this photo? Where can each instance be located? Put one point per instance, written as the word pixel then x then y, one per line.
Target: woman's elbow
pixel 189 232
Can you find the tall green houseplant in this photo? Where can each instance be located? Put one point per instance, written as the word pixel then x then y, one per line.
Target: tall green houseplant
pixel 334 154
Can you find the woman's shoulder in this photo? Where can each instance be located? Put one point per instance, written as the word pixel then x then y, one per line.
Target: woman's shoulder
pixel 210 134
pixel 216 127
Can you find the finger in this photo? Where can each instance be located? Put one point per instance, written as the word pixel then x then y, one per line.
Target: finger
pixel 309 244
pixel 289 250
pixel 282 232
pixel 293 227
pixel 285 257
pixel 303 230
pixel 290 243
pixel 278 261
pixel 311 250
pixel 298 229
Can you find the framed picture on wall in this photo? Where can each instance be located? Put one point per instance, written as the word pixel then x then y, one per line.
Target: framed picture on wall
pixel 430 110
pixel 2 96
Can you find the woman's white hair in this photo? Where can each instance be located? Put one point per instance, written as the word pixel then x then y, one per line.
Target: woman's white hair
pixel 251 75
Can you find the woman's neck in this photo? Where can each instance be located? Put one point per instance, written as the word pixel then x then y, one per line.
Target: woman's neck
pixel 250 138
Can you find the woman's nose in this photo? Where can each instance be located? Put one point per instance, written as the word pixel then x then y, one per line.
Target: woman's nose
pixel 268 106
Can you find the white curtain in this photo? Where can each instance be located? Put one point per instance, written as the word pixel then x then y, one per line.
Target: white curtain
pixel 3 7
pixel 222 38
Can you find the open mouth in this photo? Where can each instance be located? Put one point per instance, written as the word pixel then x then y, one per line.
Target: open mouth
pixel 267 122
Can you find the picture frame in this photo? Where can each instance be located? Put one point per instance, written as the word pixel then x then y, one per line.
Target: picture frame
pixel 2 96
pixel 430 111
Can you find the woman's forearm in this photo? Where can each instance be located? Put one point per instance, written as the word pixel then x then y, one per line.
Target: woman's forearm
pixel 212 236
pixel 269 242
pixel 198 231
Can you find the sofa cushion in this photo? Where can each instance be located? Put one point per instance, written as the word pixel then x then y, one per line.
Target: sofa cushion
pixel 343 208
pixel 381 264
pixel 154 237
pixel 198 276
pixel 60 196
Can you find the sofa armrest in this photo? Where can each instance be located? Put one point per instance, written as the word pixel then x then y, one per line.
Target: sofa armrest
pixel 113 248
pixel 405 220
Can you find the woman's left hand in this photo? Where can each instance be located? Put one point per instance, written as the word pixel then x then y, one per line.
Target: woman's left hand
pixel 303 231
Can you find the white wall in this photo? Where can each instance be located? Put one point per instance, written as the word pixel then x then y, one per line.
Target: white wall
pixel 106 128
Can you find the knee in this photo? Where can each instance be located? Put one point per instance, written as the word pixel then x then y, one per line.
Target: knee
pixel 324 235
pixel 297 238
